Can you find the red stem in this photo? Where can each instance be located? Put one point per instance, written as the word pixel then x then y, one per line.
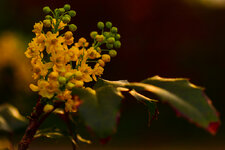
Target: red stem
pixel 35 122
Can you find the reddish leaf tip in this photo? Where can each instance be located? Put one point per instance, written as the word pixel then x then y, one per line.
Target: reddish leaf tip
pixel 213 127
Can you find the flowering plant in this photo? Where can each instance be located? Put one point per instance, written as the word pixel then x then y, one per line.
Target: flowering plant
pixel 64 72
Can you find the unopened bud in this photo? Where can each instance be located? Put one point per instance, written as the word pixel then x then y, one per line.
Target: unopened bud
pixel 112 53
pixel 117 44
pixel 93 34
pixel 72 27
pixel 106 58
pixel 46 10
pixel 108 24
pixel 62 80
pixel 66 7
pixel 111 40
pixel 47 23
pixel 114 30
pixel 72 13
pixel 48 108
pixel 100 25
pixel 70 85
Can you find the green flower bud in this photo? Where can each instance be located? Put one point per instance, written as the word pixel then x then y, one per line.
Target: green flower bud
pixel 100 25
pixel 66 7
pixel 93 34
pixel 46 10
pixel 70 85
pixel 108 25
pixel 117 44
pixel 48 17
pixel 72 13
pixel 72 27
pixel 62 80
pixel 106 34
pixel 57 11
pixel 111 40
pixel 65 19
pixel 117 37
pixel 62 10
pixel 114 30
pixel 109 46
pixel 112 53
pixel 67 16
pixel 47 23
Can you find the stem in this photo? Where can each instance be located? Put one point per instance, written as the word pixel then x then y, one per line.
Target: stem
pixel 35 122
pixel 66 119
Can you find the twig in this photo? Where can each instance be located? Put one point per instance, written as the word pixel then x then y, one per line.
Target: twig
pixel 35 121
pixel 66 119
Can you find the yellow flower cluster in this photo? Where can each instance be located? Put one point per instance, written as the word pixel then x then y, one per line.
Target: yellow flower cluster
pixel 11 55
pixel 59 63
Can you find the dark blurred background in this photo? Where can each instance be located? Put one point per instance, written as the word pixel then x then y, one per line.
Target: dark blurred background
pixel 169 38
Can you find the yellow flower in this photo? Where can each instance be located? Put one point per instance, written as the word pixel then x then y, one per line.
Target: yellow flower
pixel 100 38
pixel 38 28
pixel 34 87
pixel 77 83
pixel 92 53
pixel 82 42
pixel 101 62
pixel 106 58
pixel 34 48
pixel 86 71
pixel 98 70
pixel 61 25
pixel 47 88
pixel 68 38
pixel 64 95
pixel 59 61
pixel 73 54
pixel 72 104
pixel 68 35
pixel 41 38
pixel 40 69
pixel 53 76
pixel 53 43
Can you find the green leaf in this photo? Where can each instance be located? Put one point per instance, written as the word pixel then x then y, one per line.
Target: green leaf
pixel 150 103
pixel 100 111
pixel 11 119
pixel 187 99
pixel 121 84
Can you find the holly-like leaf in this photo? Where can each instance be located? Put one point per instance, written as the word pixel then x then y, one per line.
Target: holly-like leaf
pixel 121 86
pixel 11 119
pixel 100 110
pixel 187 99
pixel 150 103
